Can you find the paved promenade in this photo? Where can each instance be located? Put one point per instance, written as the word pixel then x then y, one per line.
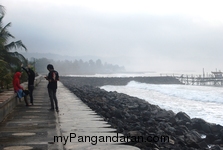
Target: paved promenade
pixel 75 127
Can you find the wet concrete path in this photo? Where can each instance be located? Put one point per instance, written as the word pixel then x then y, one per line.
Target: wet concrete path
pixel 84 128
pixel 31 127
pixel 74 127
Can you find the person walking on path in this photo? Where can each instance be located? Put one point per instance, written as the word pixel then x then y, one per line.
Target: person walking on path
pixel 31 78
pixel 53 77
pixel 18 88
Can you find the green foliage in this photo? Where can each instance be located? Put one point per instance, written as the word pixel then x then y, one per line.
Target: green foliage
pixel 9 61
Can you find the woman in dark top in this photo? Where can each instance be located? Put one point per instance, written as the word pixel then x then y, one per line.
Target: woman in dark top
pixel 31 78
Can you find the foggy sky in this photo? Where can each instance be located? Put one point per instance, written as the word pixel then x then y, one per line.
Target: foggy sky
pixel 142 35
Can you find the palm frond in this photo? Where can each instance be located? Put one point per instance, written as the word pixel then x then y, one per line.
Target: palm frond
pixel 1 22
pixel 2 61
pixel 5 34
pixel 6 26
pixel 2 10
pixel 17 44
pixel 19 56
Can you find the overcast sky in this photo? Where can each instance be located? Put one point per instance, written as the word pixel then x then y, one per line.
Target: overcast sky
pixel 142 35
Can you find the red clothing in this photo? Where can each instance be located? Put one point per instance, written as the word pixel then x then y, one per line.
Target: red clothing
pixel 16 81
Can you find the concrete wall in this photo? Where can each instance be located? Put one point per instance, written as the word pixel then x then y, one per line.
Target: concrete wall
pixel 8 99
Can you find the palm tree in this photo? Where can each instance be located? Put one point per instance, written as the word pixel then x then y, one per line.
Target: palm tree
pixel 9 61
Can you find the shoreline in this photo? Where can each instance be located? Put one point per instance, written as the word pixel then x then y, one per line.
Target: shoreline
pixel 136 117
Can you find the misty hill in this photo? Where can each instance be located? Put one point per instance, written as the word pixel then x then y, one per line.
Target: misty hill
pixel 58 57
pixel 67 65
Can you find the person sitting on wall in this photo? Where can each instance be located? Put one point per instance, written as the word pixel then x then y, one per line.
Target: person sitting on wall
pixel 18 88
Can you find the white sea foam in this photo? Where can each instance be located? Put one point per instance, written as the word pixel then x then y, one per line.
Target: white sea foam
pixel 197 101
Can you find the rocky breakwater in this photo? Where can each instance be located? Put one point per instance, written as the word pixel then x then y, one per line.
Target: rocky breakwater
pixel 147 125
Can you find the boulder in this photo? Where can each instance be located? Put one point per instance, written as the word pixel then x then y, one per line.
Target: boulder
pixel 182 116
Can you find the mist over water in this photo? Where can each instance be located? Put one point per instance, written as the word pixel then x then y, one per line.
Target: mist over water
pixel 204 102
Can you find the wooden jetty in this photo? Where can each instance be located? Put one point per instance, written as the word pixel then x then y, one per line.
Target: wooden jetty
pixel 216 79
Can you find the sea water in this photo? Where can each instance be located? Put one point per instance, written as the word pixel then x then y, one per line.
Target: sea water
pixel 204 102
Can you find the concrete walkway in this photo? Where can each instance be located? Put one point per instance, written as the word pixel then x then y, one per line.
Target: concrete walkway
pixel 31 127
pixel 75 127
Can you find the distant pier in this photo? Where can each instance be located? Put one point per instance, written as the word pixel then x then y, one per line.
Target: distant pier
pixel 215 79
